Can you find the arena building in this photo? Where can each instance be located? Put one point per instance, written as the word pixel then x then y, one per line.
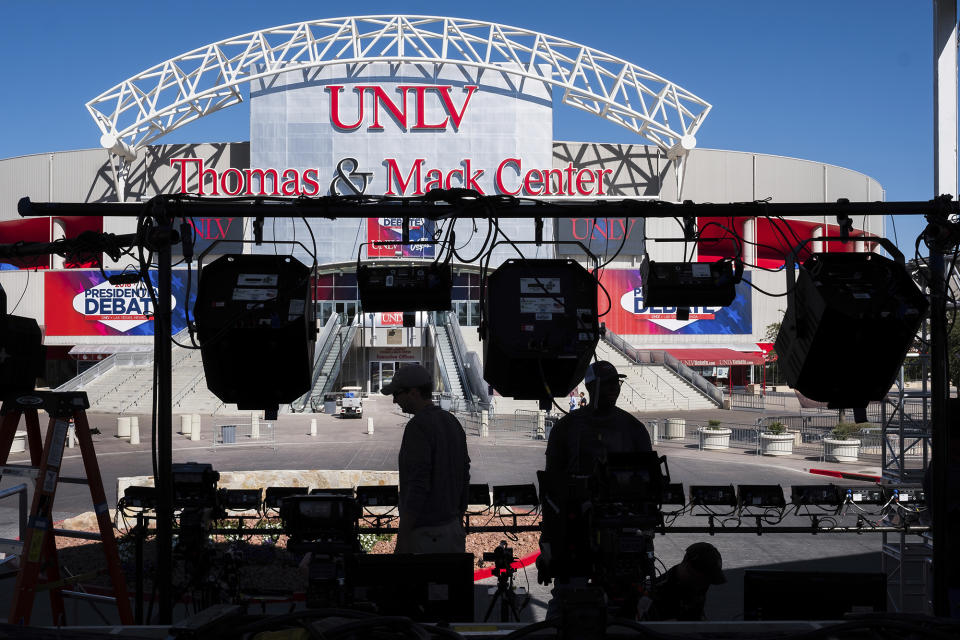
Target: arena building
pixel 400 105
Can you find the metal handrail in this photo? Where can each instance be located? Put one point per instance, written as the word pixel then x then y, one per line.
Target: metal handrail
pixel 444 374
pixel 662 357
pixel 633 396
pixel 326 344
pixel 459 349
pixel 698 381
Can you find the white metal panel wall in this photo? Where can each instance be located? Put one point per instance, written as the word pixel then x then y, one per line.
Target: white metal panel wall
pixel 81 176
pixel 718 176
pixel 25 176
pixel 24 289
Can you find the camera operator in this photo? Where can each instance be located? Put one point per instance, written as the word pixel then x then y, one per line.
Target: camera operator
pixel 434 468
pixel 681 593
pixel 578 443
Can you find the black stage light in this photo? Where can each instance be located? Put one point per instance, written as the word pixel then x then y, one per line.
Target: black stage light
pixel 22 354
pixel 539 328
pixel 194 484
pixel 760 495
pixel 673 494
pixel 479 494
pixel 515 494
pixel 140 497
pixel 863 495
pixel 255 320
pixel 713 495
pixel 850 319
pixel 912 495
pixel 814 494
pixel 241 499
pixel 378 495
pixel 415 287
pixel 320 516
pixel 689 284
pixel 339 491
pixel 273 496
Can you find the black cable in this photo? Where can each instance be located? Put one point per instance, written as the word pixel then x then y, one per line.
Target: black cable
pixel 22 293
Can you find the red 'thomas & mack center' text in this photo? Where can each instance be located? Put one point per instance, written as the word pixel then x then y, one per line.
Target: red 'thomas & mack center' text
pixel 510 178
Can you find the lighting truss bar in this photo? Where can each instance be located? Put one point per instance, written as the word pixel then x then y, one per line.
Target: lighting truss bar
pixel 482 207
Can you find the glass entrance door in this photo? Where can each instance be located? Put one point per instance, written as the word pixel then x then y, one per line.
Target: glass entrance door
pixel 381 373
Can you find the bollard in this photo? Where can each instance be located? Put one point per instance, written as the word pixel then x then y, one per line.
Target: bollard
pixel 484 424
pixel 313 426
pixel 185 421
pixel 123 427
pixel 71 436
pixel 135 431
pixel 195 426
pixel 255 426
pixel 369 426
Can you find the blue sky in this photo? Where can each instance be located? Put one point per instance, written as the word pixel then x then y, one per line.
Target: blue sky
pixel 843 82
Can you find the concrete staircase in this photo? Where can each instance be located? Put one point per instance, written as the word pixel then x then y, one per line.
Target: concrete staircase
pixel 652 387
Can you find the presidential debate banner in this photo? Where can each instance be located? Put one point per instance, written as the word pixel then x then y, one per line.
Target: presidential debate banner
pixel 629 316
pixel 391 230
pixel 84 303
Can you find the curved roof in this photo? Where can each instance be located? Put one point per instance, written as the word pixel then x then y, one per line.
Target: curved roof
pixel 182 89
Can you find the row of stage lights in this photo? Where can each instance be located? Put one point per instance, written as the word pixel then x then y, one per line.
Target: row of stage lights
pixel 195 485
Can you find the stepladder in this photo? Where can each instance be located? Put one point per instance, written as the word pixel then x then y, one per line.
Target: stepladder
pixel 39 562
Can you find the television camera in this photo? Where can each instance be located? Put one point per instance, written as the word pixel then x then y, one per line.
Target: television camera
pixel 600 526
pixel 506 594
pixel 324 526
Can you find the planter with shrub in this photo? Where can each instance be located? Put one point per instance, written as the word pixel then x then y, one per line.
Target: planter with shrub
pixel 841 444
pixel 714 436
pixel 776 440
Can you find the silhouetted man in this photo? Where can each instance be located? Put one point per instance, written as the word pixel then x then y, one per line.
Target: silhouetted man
pixel 681 593
pixel 578 443
pixel 434 468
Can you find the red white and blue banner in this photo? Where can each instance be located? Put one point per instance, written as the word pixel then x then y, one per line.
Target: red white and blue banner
pixel 83 303
pixel 628 315
pixel 391 230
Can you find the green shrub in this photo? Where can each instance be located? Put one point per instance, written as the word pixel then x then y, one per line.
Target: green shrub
pixel 776 428
pixel 845 431
pixel 714 425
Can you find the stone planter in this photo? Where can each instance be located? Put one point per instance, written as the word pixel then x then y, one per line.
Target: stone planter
pixel 714 438
pixel 776 444
pixel 676 429
pixel 841 450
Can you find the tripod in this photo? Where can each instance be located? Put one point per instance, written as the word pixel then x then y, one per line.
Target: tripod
pixel 505 594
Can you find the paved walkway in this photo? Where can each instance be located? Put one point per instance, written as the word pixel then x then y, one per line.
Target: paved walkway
pixel 345 444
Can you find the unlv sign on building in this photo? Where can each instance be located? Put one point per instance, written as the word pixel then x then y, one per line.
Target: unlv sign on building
pixel 409 132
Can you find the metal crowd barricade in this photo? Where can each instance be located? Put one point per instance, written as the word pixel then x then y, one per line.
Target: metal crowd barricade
pixel 243 431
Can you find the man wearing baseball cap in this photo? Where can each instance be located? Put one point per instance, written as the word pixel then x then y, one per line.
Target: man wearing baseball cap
pixel 578 442
pixel 581 439
pixel 434 468
pixel 681 593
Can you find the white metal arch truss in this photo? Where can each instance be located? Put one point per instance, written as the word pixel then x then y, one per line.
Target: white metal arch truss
pixel 180 90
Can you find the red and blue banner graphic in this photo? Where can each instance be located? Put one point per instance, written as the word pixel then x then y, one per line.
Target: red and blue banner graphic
pixel 629 316
pixel 391 230
pixel 83 303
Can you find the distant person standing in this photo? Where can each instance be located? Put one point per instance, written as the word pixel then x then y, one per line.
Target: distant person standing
pixel 583 400
pixel 573 400
pixel 434 468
